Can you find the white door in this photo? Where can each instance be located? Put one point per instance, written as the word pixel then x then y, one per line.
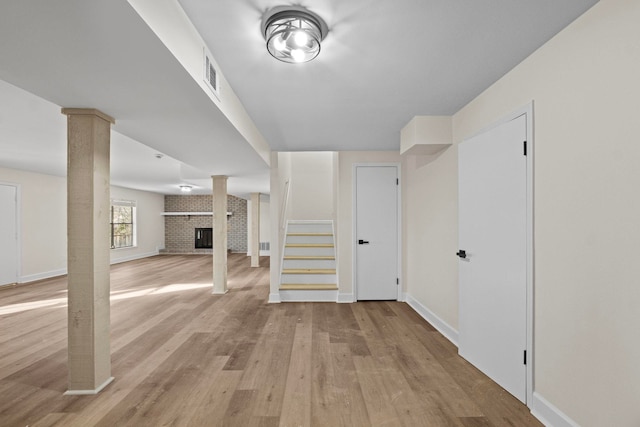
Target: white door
pixel 8 235
pixel 376 232
pixel 492 233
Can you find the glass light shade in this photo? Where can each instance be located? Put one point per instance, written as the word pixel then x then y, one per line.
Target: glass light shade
pixel 279 44
pixel 293 34
pixel 298 55
pixel 301 38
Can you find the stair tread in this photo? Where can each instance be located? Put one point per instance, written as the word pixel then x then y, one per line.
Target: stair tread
pixel 309 245
pixel 309 234
pixel 308 286
pixel 309 271
pixel 309 257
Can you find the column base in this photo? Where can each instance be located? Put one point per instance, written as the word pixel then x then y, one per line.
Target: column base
pixel 274 298
pixel 89 392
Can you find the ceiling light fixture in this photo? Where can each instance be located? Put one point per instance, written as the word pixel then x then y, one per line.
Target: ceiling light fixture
pixel 186 188
pixel 293 33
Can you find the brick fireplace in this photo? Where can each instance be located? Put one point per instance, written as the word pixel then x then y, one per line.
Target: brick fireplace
pixel 181 230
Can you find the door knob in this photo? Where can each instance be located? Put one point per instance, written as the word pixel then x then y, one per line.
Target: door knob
pixel 462 253
pixel 363 242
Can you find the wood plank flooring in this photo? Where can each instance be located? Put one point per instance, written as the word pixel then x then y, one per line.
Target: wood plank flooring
pixel 184 357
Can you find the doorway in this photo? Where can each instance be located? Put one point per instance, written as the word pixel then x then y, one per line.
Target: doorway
pixel 376 232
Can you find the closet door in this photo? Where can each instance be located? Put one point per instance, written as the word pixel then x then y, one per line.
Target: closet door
pixel 493 254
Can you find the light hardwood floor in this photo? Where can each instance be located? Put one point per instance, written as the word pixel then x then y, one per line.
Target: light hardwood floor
pixel 184 357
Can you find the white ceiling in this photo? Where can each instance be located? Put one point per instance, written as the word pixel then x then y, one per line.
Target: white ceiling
pixel 381 64
pixel 33 137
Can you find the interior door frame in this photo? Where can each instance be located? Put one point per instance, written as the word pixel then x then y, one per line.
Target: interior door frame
pixel 526 111
pixel 18 228
pixel 354 223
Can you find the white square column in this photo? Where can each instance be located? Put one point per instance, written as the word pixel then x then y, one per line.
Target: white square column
pixel 255 229
pixel 88 237
pixel 219 234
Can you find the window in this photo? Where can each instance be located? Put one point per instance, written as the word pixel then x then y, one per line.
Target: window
pixel 123 230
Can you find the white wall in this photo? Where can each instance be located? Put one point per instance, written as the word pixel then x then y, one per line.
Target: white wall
pixel 43 223
pixel 312 186
pixel 150 224
pixel 585 87
pixel 279 210
pixel 265 223
pixel 431 233
pixel 284 170
pixel 265 219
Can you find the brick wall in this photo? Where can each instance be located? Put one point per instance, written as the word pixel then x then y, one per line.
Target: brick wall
pixel 179 231
pixel 237 224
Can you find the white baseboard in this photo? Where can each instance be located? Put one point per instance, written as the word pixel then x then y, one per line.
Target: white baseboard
pixel 41 276
pixel 62 271
pixel 274 298
pixel 308 296
pixel 548 414
pixel 262 253
pixel 544 411
pixel 443 327
pixel 345 298
pixel 133 257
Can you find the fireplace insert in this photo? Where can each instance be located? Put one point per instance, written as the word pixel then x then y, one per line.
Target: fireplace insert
pixel 204 238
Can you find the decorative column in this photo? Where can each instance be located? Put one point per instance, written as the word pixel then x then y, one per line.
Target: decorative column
pixel 88 245
pixel 255 229
pixel 219 234
pixel 276 240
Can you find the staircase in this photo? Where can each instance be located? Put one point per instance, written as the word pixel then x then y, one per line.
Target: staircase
pixel 309 262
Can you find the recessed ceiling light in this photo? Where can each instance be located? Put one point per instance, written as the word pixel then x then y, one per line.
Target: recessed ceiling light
pixel 186 188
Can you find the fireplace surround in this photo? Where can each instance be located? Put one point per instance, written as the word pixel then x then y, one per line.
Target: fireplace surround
pixel 180 229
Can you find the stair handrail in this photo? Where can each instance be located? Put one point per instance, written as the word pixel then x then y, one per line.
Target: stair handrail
pixel 285 205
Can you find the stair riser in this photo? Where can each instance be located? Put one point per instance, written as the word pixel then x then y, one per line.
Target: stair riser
pixel 304 263
pixel 309 228
pixel 305 296
pixel 308 278
pixel 309 239
pixel 309 251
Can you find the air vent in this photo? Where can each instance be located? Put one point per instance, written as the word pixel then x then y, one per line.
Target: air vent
pixel 211 74
pixel 265 246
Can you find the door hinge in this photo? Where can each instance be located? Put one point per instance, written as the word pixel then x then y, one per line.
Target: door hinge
pixel 397 181
pixel 525 357
pixel 525 147
pixel 397 281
